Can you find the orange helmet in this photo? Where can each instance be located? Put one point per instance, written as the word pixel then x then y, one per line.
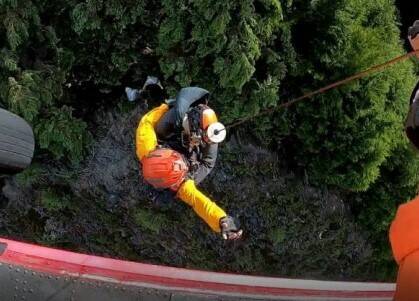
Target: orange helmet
pixel 164 168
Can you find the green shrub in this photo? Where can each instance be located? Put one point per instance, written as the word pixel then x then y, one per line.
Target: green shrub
pixel 345 135
pixel 32 78
pixel 63 135
pixel 108 38
pixel 220 46
pixel 397 184
pixel 53 201
pixel 34 174
pixel 149 220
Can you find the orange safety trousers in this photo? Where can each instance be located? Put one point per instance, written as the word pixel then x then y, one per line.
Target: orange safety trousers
pixel 146 142
pixel 404 238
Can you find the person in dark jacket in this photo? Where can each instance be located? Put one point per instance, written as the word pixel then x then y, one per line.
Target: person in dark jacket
pixel 404 230
pixel 183 129
pixel 188 126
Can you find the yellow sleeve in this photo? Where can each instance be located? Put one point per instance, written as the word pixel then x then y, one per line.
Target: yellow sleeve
pixel 145 136
pixel 203 206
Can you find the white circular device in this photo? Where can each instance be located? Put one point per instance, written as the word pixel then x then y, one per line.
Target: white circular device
pixel 216 132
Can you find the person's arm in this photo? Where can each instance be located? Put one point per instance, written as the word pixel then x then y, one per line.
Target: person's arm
pixel 413 36
pixel 404 239
pixel 206 164
pixel 412 120
pixel 145 136
pixel 415 94
pixel 201 204
pixel 407 279
pixel 214 216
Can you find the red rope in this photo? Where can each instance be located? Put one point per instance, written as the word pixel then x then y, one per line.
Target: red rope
pixel 334 85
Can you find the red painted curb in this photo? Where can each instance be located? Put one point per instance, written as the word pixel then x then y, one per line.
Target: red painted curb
pixel 61 262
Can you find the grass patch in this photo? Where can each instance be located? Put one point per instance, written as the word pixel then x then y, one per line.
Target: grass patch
pixel 150 220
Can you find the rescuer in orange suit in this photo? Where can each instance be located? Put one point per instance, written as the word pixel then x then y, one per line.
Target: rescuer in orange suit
pixel 404 231
pixel 177 144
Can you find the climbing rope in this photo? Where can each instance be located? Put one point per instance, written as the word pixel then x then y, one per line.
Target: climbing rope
pixel 334 85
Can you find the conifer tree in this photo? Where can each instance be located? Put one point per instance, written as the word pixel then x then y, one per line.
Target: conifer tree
pixel 344 136
pixel 220 45
pixel 111 38
pixel 32 74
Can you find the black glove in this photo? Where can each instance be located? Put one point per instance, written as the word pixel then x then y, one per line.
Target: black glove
pixel 153 90
pixel 229 229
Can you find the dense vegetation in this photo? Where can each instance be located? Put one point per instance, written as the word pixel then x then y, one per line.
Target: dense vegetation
pixel 66 62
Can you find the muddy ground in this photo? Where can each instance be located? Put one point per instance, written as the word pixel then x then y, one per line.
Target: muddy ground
pixel 103 207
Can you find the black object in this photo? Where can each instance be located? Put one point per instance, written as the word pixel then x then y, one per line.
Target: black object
pixel 412 120
pixel 194 117
pixel 162 199
pixel 412 124
pixel 156 94
pixel 153 91
pixel 17 143
pixel 414 30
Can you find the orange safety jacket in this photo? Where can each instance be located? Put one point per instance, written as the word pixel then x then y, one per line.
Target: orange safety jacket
pixel 146 142
pixel 404 238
